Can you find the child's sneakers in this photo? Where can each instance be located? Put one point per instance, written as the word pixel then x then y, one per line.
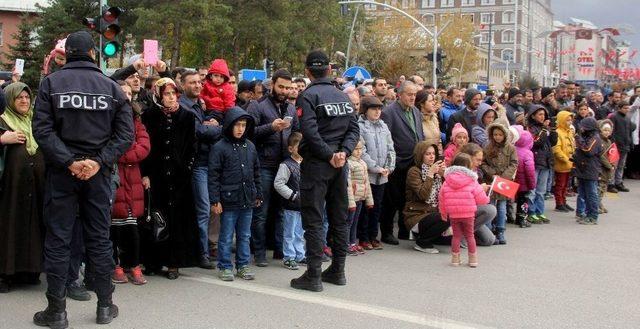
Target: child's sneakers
pixel 366 245
pixel 290 264
pixel 427 250
pixel 360 249
pixel 327 251
pixel 245 273
pixel 225 274
pixel 119 276
pixel 455 259
pixel 136 276
pixel 352 250
pixel 473 260
pixel 544 219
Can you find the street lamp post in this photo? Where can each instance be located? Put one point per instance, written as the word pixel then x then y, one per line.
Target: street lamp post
pixel 434 34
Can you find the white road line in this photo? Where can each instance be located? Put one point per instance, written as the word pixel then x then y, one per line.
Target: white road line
pixel 379 311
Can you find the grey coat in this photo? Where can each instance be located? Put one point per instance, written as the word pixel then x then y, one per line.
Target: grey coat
pixel 378 149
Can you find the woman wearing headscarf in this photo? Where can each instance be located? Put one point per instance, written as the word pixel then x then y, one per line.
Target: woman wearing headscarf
pixel 21 192
pixel 167 171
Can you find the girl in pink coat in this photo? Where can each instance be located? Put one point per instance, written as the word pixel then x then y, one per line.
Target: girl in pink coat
pixel 525 175
pixel 459 198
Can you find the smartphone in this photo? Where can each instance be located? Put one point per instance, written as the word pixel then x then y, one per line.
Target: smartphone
pixel 288 118
pixel 440 158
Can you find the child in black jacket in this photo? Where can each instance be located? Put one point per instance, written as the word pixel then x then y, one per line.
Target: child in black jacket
pixel 234 190
pixel 587 169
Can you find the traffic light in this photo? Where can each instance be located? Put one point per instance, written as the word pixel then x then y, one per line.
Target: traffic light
pixel 109 29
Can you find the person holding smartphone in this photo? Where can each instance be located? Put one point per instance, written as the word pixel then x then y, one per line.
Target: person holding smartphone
pixel 275 119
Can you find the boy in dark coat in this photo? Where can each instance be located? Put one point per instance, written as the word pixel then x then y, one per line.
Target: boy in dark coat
pixel 538 124
pixel 234 190
pixel 587 170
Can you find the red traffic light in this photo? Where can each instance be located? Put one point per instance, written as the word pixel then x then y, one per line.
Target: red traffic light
pixel 111 14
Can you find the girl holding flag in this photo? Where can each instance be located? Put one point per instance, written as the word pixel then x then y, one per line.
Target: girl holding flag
pixel 500 160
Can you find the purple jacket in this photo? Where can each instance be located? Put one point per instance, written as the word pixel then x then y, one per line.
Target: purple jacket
pixel 526 173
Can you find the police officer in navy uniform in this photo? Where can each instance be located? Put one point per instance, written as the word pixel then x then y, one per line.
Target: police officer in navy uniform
pixel 329 125
pixel 83 124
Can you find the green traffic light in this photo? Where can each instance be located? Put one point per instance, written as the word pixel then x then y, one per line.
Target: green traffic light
pixel 110 49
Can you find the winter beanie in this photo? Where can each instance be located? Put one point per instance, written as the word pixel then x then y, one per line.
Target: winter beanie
pixel 458 129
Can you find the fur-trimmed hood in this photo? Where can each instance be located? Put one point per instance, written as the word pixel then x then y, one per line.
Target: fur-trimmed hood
pixel 458 177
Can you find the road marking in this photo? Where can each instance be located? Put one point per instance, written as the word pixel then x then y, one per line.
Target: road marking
pixel 379 311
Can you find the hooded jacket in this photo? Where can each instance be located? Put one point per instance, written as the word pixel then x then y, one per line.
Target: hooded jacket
pixel 358 186
pixel 234 169
pixel 378 152
pixel 607 167
pixel 479 132
pixel 503 161
pixel 588 151
pixel 564 148
pixel 542 152
pixel 526 173
pixel 460 194
pixel 418 193
pixel 221 97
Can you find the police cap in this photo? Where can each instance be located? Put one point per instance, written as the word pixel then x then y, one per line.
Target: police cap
pixel 79 43
pixel 317 59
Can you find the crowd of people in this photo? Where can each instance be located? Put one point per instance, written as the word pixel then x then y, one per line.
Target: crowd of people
pixel 214 160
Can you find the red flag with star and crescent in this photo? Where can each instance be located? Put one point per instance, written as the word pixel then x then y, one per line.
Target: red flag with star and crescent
pixel 504 187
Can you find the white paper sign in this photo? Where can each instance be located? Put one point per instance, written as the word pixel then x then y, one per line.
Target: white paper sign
pixel 19 68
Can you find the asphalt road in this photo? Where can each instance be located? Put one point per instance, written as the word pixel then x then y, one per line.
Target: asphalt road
pixel 561 275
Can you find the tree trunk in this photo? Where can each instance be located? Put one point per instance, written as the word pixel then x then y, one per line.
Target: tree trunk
pixel 175 51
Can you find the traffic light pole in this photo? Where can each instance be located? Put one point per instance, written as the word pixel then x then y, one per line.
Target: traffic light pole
pixel 103 62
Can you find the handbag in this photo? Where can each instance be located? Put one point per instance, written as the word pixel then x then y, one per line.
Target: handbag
pixel 155 222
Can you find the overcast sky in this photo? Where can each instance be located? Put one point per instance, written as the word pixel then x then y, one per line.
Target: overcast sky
pixel 603 13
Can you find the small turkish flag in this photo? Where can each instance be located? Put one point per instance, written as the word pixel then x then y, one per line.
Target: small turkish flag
pixel 504 187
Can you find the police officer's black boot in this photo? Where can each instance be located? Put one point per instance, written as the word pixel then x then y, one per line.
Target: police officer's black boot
pixel 335 272
pixel 107 310
pixel 310 280
pixel 55 315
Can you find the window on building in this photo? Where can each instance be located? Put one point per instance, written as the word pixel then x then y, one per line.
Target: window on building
pixel 428 4
pixel 412 3
pixel 446 3
pixel 486 18
pixel 508 2
pixel 485 37
pixel 405 4
pixel 508 17
pixel 468 3
pixel 428 19
pixel 507 55
pixel 370 7
pixel 487 2
pixel 508 36
pixel 468 17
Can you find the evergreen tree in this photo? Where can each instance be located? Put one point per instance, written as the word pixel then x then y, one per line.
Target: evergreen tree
pixel 24 48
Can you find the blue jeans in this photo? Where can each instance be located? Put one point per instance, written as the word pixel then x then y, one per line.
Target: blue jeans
pixel 260 215
pixel 293 237
pixel 550 181
pixel 500 222
pixel 536 201
pixel 238 221
pixel 353 222
pixel 588 201
pixel 201 201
